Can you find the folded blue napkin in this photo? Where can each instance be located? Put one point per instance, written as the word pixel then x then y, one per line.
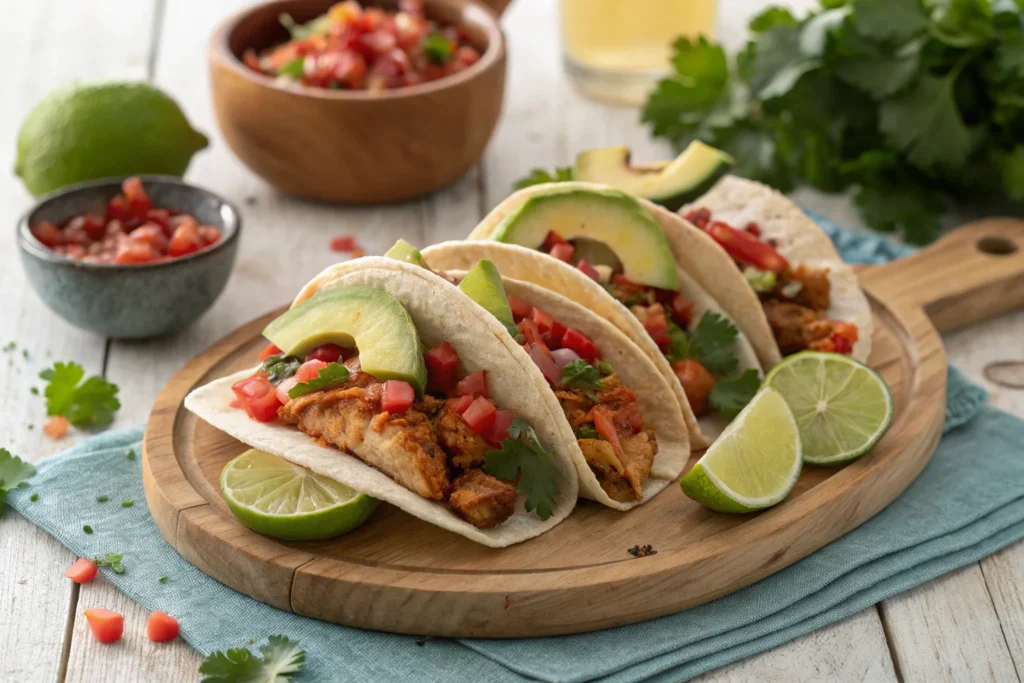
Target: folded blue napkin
pixel 968 503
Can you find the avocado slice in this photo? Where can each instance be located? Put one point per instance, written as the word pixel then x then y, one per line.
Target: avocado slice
pixel 671 184
pixel 403 251
pixel 609 216
pixel 483 285
pixel 369 319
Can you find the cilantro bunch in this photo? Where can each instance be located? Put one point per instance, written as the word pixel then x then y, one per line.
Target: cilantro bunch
pixel 912 102
pixel 523 454
pixel 711 344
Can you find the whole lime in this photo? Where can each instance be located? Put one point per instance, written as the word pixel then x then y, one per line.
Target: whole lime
pixel 100 130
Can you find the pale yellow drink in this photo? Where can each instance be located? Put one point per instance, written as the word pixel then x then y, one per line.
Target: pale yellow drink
pixel 617 49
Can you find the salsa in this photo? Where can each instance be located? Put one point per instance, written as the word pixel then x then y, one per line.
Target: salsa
pixel 132 231
pixel 356 48
pixel 795 299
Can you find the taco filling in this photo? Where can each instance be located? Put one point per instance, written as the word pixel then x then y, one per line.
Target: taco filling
pixel 795 299
pixel 702 359
pixel 448 443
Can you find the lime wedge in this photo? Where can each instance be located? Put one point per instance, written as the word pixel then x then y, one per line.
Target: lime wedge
pixel 275 498
pixel 842 407
pixel 754 464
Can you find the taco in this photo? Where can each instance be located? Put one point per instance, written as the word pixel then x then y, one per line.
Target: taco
pixel 809 298
pixel 347 390
pixel 615 254
pixel 626 441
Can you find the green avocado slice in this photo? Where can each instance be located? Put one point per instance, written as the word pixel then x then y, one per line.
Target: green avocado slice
pixel 403 251
pixel 671 184
pixel 483 285
pixel 609 216
pixel 369 319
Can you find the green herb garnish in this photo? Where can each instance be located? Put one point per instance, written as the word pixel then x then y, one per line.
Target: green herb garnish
pixel 586 432
pixel 162 579
pixel 539 176
pixel 14 473
pixel 582 375
pixel 34 391
pixel 330 375
pixel 711 344
pixel 280 367
pixel 130 454
pixel 523 454
pixel 730 395
pixel 280 659
pixel 112 560
pixel 102 499
pixel 605 367
pixel 127 503
pixel 87 529
pixel 438 48
pixel 34 497
pixel 294 68
pixel 760 280
pixel 91 403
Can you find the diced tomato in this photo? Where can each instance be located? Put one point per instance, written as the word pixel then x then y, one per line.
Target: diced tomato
pixel 657 326
pixel 151 234
pixel 563 252
pixel 118 209
pixel 699 217
pixel 697 384
pixel 551 240
pixel 344 243
pixel 161 217
pixel 56 427
pixel 138 201
pixel 186 239
pixel 474 384
pixel 442 363
pixel 397 396
pixel 282 390
pixel 74 235
pixel 467 55
pixel 606 428
pixel 92 225
pixel 682 310
pixel 210 235
pixel 258 397
pixel 310 369
pixel 556 335
pixel 161 627
pixel 328 353
pixel 268 351
pixel 588 270
pixel 82 570
pixel 746 248
pixel 502 421
pixel 460 403
pixel 47 233
pixel 250 59
pixel 529 330
pixel 580 343
pixel 545 362
pixel 844 336
pixel 520 308
pixel 544 320
pixel 480 415
pixel 106 626
pixel 131 251
pixel 753 229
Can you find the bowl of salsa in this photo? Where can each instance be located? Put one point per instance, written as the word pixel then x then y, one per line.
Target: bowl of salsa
pixel 359 102
pixel 130 258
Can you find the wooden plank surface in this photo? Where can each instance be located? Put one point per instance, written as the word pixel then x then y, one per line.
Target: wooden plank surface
pixel 545 124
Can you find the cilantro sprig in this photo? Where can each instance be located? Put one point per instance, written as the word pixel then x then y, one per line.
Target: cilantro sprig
pixel 89 403
pixel 330 375
pixel 280 659
pixel 438 48
pixel 580 374
pixel 539 176
pixel 280 367
pixel 112 560
pixel 909 101
pixel 730 395
pixel 523 454
pixel 14 473
pixel 711 344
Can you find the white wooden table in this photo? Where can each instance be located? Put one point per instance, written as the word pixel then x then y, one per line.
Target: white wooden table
pixel 966 626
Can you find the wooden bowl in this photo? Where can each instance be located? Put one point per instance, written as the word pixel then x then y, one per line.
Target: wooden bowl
pixel 356 146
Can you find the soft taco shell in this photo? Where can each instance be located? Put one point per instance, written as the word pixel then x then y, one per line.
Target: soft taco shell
pixel 441 313
pixel 739 201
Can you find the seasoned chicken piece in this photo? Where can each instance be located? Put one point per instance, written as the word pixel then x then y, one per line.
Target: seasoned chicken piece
pixel 482 500
pixel 815 289
pixel 465 447
pixel 639 451
pixel 403 447
pixel 795 327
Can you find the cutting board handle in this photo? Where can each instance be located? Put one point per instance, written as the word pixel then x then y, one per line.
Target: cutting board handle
pixel 972 274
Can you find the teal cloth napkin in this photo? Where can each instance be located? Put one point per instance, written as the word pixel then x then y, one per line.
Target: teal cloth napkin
pixel 968 503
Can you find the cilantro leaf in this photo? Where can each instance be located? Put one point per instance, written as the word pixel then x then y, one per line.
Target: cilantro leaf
pixel 679 104
pixel 14 471
pixel 581 375
pixel 281 659
pixel 89 404
pixel 894 20
pixel 962 23
pixel 714 338
pixel 294 68
pixel 585 431
pixel 539 176
pixel 280 367
pixel 1010 57
pixel 438 48
pixel 330 375
pixel 1012 167
pixel 924 122
pixel 770 18
pixel 779 62
pixel 523 454
pixel 896 206
pixel 730 395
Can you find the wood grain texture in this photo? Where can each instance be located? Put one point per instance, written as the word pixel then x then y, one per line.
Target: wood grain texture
pixel 432 582
pixel 356 146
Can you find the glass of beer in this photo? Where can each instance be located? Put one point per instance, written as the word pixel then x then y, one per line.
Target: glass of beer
pixel 616 50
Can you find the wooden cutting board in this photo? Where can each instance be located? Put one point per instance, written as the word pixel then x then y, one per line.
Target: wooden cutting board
pixel 397 573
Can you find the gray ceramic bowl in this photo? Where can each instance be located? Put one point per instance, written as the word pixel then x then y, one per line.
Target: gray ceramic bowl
pixel 131 301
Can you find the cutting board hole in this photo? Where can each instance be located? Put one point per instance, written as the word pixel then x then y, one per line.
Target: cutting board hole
pixel 997 246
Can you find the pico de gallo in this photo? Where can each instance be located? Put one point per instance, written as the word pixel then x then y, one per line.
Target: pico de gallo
pixel 131 231
pixel 702 359
pixel 436 445
pixel 356 48
pixel 795 298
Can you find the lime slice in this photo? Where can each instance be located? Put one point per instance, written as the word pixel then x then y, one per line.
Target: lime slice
pixel 842 407
pixel 273 497
pixel 754 464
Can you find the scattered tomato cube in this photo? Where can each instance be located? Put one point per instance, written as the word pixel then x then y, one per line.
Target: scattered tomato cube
pixel 588 270
pixel 268 351
pixel 258 397
pixel 82 570
pixel 474 384
pixel 442 363
pixel 161 627
pixel 563 252
pixel 344 243
pixel 460 403
pixel 480 415
pixel 398 396
pixel 328 353
pixel 56 427
pixel 502 421
pixel 580 343
pixel 106 626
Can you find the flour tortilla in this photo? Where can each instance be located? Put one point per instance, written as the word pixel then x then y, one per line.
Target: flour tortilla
pixel 636 372
pixel 738 201
pixel 441 313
